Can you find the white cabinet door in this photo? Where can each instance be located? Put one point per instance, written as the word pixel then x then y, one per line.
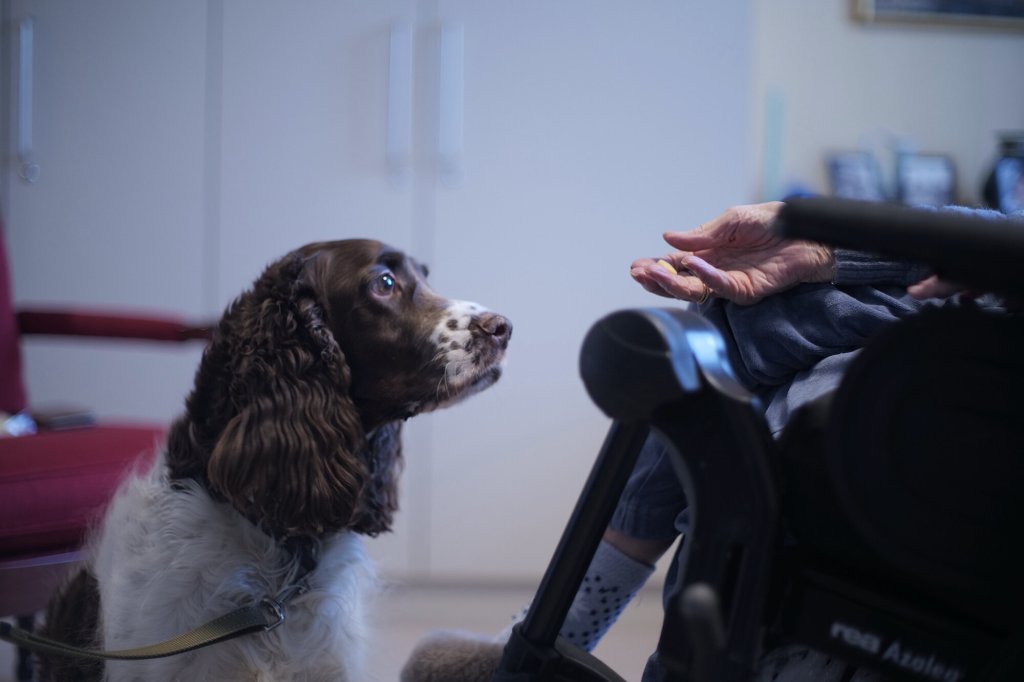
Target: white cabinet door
pixel 588 129
pixel 303 143
pixel 116 214
pixel 303 134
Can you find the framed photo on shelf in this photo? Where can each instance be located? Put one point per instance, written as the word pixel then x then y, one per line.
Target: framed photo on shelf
pixel 1008 176
pixel 925 179
pixel 983 13
pixel 855 175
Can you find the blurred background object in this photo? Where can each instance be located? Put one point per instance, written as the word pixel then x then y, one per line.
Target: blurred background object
pixel 1004 186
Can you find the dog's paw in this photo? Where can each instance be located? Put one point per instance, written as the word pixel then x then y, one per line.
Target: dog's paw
pixel 452 656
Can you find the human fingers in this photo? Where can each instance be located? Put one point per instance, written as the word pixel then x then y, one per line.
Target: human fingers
pixel 715 232
pixel 704 236
pixel 717 280
pixel 933 287
pixel 641 263
pixel 692 240
pixel 738 286
pixel 641 274
pixel 736 227
pixel 685 286
pixel 671 262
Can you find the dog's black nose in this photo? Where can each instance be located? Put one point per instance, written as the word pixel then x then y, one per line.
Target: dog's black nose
pixel 493 325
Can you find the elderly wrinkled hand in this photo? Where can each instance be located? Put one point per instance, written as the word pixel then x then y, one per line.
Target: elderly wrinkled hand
pixel 735 256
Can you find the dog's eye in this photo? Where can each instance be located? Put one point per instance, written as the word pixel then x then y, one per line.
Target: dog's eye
pixel 383 284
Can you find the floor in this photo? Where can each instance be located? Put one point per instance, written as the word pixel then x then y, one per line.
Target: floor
pixel 404 614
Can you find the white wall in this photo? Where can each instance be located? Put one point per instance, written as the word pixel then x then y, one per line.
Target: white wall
pixel 839 84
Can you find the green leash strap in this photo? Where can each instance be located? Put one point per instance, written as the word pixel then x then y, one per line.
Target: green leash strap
pixel 264 616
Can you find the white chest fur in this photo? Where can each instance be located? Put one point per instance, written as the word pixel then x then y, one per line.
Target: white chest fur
pixel 168 560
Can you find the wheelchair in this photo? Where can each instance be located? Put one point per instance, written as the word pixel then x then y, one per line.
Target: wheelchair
pixel 885 527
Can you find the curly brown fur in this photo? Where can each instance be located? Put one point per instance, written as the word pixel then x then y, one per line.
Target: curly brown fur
pixel 73 618
pixel 269 405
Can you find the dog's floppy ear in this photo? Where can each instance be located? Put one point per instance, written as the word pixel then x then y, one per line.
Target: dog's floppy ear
pixel 289 457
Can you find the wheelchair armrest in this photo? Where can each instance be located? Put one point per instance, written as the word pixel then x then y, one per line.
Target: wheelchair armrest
pixel 669 369
pixel 634 361
pixel 980 252
pixel 109 324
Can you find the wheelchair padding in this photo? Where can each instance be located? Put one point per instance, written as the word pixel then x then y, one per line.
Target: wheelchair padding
pixel 925 453
pixel 962 247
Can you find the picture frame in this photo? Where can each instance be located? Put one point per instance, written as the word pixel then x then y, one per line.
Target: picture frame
pixel 1006 14
pixel 855 175
pixel 925 180
pixel 1008 176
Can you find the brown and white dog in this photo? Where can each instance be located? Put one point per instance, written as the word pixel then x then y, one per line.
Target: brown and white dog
pixel 290 432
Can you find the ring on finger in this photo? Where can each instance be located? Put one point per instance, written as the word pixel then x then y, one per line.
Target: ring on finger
pixel 705 295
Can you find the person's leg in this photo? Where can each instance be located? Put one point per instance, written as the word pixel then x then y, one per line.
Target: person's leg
pixel 644 550
pixel 612 580
pixel 642 529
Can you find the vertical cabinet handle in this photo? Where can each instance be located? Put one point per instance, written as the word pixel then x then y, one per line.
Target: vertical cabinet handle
pixel 399 115
pixel 29 170
pixel 450 112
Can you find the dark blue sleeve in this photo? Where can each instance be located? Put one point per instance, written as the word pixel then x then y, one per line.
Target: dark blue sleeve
pixel 864 268
pixel 773 340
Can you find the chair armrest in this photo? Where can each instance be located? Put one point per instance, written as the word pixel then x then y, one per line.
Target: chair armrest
pixel 981 252
pixel 635 361
pixel 109 324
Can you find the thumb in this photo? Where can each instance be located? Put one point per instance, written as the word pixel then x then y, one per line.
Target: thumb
pixel 933 287
pixel 694 240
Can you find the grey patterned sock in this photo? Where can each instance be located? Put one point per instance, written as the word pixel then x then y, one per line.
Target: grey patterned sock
pixel 610 583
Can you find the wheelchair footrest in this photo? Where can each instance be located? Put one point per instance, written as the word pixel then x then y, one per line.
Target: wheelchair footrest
pixel 526 661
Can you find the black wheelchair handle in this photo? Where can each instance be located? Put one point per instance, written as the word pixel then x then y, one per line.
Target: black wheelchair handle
pixel 634 361
pixel 980 252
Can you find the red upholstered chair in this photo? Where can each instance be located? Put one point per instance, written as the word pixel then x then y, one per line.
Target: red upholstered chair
pixel 54 483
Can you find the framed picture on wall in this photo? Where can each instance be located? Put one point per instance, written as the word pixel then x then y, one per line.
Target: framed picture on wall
pixel 855 175
pixel 925 179
pixel 994 13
